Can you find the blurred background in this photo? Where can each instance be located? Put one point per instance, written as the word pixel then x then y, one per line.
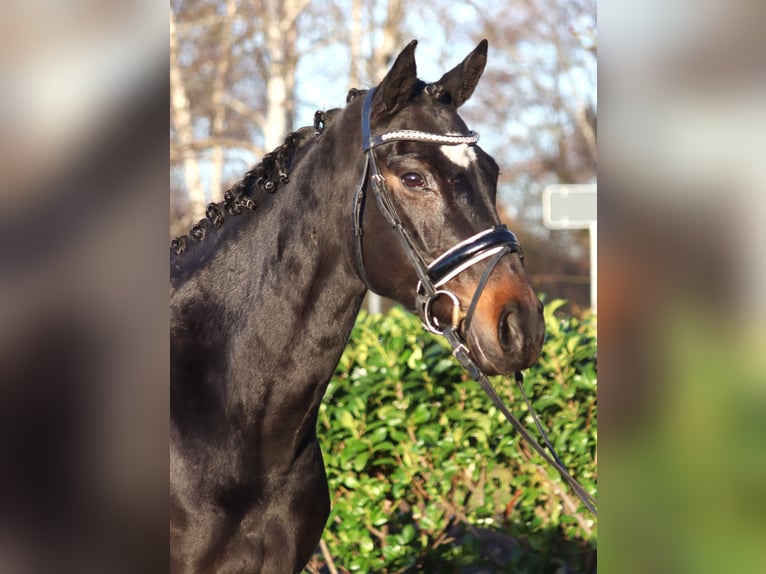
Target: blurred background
pixel 83 287
pixel 85 106
pixel 682 297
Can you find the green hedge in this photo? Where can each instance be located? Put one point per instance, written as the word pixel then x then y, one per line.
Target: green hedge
pixel 426 475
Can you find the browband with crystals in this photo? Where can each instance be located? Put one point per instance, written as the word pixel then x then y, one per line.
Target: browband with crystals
pixel 416 136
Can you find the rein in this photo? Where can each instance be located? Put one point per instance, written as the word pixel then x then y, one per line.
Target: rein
pixel 493 243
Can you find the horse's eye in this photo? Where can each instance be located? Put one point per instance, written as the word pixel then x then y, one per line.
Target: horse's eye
pixel 413 180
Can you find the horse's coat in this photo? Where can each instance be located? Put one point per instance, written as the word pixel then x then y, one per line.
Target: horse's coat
pixel 262 305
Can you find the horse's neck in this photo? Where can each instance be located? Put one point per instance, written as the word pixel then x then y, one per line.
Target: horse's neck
pixel 258 332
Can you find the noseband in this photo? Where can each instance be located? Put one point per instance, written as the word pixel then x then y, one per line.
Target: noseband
pixel 493 244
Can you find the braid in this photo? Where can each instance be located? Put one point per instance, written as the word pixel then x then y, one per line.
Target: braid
pixel 267 176
pixel 353 94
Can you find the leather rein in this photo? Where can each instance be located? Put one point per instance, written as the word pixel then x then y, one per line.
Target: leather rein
pixel 492 244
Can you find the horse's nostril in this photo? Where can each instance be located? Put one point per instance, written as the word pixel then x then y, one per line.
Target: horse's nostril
pixel 505 329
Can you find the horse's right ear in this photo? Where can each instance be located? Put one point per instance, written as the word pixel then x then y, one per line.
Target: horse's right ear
pixel 396 88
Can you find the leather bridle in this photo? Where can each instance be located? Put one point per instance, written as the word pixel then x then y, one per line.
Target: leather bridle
pixel 493 244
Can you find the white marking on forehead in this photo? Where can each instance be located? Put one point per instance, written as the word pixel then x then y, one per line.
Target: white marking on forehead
pixel 461 155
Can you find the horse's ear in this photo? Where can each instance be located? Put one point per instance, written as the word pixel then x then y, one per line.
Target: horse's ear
pixel 396 88
pixel 461 80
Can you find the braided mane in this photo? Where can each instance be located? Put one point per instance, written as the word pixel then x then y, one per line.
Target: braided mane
pixel 267 176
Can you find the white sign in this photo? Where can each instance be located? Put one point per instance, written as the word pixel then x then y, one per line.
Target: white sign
pixel 569 206
pixel 575 207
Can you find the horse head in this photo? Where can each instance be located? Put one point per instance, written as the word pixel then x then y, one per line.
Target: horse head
pixel 433 239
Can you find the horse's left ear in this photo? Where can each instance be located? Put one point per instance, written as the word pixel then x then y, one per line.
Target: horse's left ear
pixel 461 80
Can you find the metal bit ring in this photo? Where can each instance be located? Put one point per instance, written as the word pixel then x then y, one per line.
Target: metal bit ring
pixel 430 322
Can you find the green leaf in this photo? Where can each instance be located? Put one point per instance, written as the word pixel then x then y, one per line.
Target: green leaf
pixel 366 544
pixel 415 358
pixel 346 420
pixel 361 461
pixel 407 534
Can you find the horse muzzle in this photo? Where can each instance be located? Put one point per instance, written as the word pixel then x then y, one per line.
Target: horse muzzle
pixel 508 336
pixel 495 310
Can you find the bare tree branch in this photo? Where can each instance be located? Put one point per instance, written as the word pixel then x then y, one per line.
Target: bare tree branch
pixel 244 110
pixel 219 93
pixel 182 122
pixel 179 151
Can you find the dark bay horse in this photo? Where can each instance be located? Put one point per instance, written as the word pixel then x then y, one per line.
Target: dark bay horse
pixel 265 291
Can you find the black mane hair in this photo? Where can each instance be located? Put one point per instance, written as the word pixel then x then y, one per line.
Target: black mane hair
pixel 265 177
